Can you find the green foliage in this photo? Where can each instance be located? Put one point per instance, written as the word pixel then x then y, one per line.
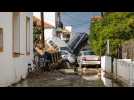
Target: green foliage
pixel 36 32
pixel 115 26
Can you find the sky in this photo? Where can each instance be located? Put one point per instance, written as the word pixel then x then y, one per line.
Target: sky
pixel 80 21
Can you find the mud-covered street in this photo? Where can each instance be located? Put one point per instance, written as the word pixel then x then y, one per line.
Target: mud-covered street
pixel 62 78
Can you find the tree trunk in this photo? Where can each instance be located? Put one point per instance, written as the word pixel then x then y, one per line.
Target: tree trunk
pixel 42 29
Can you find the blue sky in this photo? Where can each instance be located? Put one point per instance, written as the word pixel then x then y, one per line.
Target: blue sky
pixel 78 20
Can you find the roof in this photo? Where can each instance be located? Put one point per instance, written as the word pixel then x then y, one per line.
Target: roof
pixel 96 18
pixel 37 21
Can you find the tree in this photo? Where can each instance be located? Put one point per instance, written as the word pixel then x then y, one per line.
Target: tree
pixel 115 26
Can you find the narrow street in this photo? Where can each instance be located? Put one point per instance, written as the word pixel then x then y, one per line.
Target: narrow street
pixel 63 78
pixel 67 49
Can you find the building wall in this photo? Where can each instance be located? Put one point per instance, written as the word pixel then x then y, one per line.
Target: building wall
pixel 37 14
pixel 124 70
pixel 69 28
pixel 63 38
pixel 49 33
pixel 21 63
pixel 6 70
pixel 12 69
pixel 50 18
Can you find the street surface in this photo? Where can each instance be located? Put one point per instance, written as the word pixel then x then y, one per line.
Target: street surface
pixel 63 78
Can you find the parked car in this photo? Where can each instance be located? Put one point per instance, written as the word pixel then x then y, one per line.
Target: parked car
pixel 87 57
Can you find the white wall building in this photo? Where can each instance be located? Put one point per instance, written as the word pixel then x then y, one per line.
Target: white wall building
pixel 65 36
pixel 50 33
pixel 16 46
pixel 69 28
pixel 50 18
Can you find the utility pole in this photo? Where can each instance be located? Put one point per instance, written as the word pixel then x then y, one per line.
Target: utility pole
pixel 108 50
pixel 102 14
pixel 59 18
pixel 42 30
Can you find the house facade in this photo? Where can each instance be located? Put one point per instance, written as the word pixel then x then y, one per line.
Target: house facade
pixel 66 33
pixel 48 28
pixel 51 19
pixel 53 33
pixel 16 46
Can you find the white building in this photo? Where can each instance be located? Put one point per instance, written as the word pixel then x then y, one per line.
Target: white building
pixel 69 28
pixel 16 46
pixel 50 18
pixel 66 34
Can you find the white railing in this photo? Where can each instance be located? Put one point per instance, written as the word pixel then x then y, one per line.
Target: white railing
pixel 124 70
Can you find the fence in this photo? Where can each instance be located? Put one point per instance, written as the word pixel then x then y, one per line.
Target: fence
pixel 123 69
pixel 126 50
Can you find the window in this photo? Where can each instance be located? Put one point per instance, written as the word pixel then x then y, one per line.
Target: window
pixel 16 34
pixel 27 36
pixel 89 53
pixel 1 39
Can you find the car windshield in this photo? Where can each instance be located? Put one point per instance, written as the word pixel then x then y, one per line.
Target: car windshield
pixel 89 53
